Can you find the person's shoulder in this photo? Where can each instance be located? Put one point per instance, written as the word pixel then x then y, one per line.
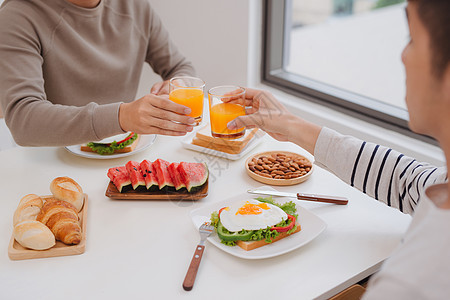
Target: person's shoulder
pixel 24 12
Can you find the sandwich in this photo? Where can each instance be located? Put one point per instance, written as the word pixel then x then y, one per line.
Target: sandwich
pixel 121 143
pixel 254 223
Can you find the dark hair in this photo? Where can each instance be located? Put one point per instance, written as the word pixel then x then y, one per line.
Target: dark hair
pixel 435 15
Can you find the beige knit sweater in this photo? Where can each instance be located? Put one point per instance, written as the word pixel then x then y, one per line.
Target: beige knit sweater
pixel 64 69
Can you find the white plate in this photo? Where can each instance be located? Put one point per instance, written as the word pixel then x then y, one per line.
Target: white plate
pixel 311 225
pixel 256 139
pixel 145 141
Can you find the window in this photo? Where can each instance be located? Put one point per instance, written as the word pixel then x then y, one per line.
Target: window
pixel 342 53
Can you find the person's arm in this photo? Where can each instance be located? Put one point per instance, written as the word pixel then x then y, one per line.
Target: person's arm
pixel 382 173
pixel 31 118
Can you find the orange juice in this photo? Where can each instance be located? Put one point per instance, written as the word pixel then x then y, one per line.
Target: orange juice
pixel 223 113
pixel 192 98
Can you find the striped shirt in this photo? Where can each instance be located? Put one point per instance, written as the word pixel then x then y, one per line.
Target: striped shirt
pixel 380 172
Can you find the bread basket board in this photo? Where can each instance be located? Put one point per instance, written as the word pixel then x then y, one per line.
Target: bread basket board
pixel 113 193
pixel 17 252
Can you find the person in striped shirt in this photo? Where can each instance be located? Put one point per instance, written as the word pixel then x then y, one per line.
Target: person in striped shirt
pixel 420 267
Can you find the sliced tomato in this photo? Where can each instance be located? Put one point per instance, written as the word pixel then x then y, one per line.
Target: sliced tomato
pixel 287 227
pixel 127 138
pixel 220 210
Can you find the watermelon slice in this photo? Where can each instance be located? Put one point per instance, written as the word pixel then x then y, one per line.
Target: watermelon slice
pixel 175 175
pixel 162 173
pixel 149 175
pixel 134 170
pixel 193 175
pixel 119 176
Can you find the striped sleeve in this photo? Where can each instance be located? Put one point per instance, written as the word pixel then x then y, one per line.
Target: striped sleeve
pixel 382 173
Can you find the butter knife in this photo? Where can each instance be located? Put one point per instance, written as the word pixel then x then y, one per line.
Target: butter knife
pixel 301 196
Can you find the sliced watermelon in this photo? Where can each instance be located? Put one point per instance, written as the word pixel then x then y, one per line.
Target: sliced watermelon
pixel 175 175
pixel 162 173
pixel 149 175
pixel 193 175
pixel 119 176
pixel 134 170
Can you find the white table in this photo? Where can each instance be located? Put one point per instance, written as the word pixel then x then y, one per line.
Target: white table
pixel 142 249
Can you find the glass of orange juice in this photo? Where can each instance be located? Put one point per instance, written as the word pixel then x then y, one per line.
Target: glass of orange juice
pixel 225 104
pixel 188 91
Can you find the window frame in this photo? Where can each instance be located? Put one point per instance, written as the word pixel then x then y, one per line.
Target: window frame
pixel 274 56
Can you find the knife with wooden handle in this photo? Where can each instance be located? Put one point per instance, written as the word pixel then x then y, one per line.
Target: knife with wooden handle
pixel 306 197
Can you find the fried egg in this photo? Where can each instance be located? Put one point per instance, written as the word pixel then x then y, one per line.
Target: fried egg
pixel 251 215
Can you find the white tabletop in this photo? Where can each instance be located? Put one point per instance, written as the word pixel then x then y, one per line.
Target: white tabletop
pixel 142 249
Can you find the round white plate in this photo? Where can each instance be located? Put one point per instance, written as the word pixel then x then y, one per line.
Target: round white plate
pixel 145 141
pixel 311 225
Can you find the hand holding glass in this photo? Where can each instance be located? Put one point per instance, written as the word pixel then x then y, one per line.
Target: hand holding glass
pixel 225 104
pixel 188 91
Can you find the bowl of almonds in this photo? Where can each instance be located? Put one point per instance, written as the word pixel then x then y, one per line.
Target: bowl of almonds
pixel 279 167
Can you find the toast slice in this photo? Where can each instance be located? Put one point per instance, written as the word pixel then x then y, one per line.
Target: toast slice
pixel 204 139
pixel 250 245
pixel 128 148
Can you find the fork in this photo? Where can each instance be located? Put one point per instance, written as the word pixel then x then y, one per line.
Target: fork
pixel 205 230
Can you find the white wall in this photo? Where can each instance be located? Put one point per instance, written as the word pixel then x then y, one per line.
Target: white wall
pixel 213 34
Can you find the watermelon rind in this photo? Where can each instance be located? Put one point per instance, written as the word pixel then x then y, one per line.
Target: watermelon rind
pixel 193 175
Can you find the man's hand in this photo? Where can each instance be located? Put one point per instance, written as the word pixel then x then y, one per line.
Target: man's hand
pixel 160 88
pixel 155 115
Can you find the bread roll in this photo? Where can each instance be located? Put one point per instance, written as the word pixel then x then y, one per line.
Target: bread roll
pixel 66 189
pixel 62 219
pixel 34 235
pixel 28 208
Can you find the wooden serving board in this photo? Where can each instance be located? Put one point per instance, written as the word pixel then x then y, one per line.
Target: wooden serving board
pixel 17 252
pixel 113 193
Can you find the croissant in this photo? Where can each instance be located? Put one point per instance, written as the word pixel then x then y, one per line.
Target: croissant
pixel 62 219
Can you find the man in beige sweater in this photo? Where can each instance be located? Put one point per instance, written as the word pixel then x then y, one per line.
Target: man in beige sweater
pixel 70 69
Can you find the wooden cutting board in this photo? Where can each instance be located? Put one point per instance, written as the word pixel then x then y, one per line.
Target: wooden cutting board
pixel 113 193
pixel 17 252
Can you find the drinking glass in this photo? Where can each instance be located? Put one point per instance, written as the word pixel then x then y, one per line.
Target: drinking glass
pixel 225 104
pixel 188 91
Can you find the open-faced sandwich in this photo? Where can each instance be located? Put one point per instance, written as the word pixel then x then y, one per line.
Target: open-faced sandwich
pixel 121 143
pixel 251 224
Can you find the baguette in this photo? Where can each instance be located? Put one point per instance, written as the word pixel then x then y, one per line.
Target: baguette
pixel 250 245
pixel 126 149
pixel 28 208
pixel 67 189
pixel 34 235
